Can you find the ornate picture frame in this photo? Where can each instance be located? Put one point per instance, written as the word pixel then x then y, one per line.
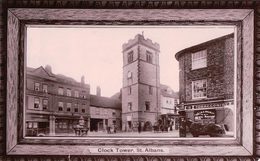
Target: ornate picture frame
pixel 19 18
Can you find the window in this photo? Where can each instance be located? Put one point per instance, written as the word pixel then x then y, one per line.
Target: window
pixel 149 57
pixel 147 106
pixel 83 110
pixel 45 88
pixel 129 106
pixel 60 105
pixel 60 91
pixel 199 89
pixel 76 94
pixel 68 107
pixel 76 110
pixel 68 92
pixel 130 57
pixel 129 90
pixel 45 104
pixel 113 114
pixel 83 94
pixel 37 86
pixel 150 90
pixel 36 102
pixel 199 59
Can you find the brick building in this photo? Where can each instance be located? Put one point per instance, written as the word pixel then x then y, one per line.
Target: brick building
pixel 141 83
pixel 54 102
pixel 207 81
pixel 105 112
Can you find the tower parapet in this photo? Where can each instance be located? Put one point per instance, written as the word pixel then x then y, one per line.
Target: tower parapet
pixel 139 39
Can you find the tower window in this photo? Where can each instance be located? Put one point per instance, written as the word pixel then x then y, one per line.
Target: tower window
pixel 129 90
pixel 150 90
pixel 129 105
pixel 147 106
pixel 149 57
pixel 130 57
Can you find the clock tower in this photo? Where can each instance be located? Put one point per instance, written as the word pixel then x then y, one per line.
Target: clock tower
pixel 141 83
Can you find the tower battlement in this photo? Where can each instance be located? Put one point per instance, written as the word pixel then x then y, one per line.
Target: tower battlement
pixel 141 40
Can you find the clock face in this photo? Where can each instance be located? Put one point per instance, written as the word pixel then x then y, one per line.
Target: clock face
pixel 129 74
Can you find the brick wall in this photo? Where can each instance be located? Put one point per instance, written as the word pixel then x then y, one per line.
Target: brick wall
pixel 219 71
pixel 98 4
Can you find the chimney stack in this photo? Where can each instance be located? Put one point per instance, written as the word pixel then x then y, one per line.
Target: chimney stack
pixel 48 69
pixel 98 91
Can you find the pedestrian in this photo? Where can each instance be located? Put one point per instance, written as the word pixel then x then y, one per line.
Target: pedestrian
pixel 139 127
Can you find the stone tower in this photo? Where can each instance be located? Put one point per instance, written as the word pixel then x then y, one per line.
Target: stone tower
pixel 141 83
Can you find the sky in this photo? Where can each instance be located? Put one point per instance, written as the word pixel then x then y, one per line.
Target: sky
pixel 96 51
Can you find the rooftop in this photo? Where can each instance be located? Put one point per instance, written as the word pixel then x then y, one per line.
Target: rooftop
pixel 202 45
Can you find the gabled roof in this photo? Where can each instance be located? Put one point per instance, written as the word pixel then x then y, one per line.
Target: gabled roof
pixel 105 102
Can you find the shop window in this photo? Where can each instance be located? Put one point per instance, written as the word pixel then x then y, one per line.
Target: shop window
pixel 37 86
pixel 45 104
pixel 60 91
pixel 199 59
pixel 68 92
pixel 45 88
pixel 130 57
pixel 199 89
pixel 149 57
pixel 36 102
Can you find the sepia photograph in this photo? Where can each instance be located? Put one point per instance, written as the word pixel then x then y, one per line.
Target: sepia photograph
pixel 130 81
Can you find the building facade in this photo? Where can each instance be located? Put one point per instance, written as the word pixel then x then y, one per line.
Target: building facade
pixel 54 103
pixel 141 83
pixel 169 100
pixel 105 113
pixel 206 73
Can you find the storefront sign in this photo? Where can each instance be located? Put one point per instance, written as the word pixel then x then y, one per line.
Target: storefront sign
pixel 204 114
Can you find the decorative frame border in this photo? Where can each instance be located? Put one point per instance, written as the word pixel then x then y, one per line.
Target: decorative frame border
pixel 17 18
